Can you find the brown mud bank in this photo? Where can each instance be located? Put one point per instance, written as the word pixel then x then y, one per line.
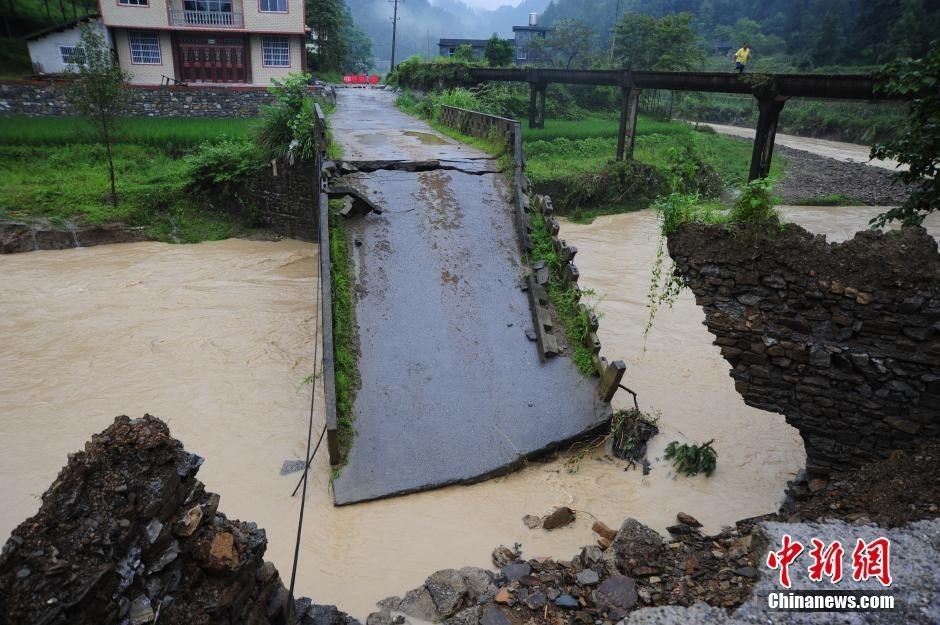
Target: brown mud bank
pixel 18 236
pixel 843 339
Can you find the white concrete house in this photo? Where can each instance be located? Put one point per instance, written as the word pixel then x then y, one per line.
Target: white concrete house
pixel 53 49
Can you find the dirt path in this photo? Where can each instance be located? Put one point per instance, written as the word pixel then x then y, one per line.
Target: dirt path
pixel 820 168
pixel 836 150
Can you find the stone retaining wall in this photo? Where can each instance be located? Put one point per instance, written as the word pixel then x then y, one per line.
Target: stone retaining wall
pixel 47 98
pixel 842 338
pixel 285 198
pixel 127 534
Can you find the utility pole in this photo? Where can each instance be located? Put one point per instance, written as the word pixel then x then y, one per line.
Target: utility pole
pixel 613 36
pixel 394 31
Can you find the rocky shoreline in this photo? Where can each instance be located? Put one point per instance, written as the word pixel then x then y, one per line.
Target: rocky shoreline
pixel 126 535
pixel 636 568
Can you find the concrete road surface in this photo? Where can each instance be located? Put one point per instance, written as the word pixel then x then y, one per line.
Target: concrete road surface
pixel 453 391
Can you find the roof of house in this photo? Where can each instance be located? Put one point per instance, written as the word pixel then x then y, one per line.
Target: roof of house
pixel 541 29
pixel 58 28
pixel 460 42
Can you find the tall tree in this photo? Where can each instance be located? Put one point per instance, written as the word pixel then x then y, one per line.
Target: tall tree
pixel 918 145
pixel 498 52
pixel 325 18
pixel 98 92
pixel 569 39
pixel 668 43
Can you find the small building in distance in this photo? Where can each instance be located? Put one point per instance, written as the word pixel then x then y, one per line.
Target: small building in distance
pixel 525 36
pixel 54 49
pixel 524 52
pixel 447 47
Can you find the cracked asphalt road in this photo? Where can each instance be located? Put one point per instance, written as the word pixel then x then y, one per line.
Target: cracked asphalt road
pixel 452 389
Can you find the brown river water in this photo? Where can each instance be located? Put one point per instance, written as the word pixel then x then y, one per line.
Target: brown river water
pixel 216 339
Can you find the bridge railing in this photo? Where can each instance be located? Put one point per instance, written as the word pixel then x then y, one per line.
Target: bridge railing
pixel 327 362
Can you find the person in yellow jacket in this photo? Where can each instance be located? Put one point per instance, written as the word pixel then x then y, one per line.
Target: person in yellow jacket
pixel 741 57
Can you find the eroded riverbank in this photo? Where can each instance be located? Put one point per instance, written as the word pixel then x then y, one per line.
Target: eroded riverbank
pixel 217 337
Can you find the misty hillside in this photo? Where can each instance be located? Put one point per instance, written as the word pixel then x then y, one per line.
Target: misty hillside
pixel 799 34
pixel 810 33
pixel 421 23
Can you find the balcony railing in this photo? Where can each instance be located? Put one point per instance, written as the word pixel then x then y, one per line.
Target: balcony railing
pixel 217 19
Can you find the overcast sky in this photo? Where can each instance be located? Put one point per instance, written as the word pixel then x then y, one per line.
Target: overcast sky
pixel 488 4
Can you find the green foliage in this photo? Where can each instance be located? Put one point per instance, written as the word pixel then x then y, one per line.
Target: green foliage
pixel 66 184
pixel 498 52
pixel 345 330
pixel 667 43
pixel 755 204
pixel 97 93
pixel 693 459
pixel 464 54
pixel 290 125
pixel 217 168
pixel 442 72
pixel 573 318
pixel 567 41
pixel 327 19
pixel 918 144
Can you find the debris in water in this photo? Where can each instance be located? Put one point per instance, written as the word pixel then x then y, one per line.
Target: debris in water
pixel 559 518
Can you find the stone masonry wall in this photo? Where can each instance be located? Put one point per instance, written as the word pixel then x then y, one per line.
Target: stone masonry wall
pixel 842 338
pixel 128 535
pixel 47 98
pixel 285 198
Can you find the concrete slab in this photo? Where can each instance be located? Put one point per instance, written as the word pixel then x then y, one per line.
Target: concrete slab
pixel 453 391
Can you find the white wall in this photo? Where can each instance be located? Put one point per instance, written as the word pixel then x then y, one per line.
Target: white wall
pixel 44 51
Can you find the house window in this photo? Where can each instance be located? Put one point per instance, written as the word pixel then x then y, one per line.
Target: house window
pixel 145 47
pixel 214 6
pixel 521 54
pixel 275 52
pixel 272 6
pixel 72 55
pixel 134 3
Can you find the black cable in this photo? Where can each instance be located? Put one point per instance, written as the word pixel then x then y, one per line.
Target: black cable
pixel 313 396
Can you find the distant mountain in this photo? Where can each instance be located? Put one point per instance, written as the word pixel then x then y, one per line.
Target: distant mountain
pixel 422 23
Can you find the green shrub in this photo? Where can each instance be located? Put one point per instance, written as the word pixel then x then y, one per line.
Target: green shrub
pixel 755 204
pixel 217 168
pixel 290 125
pixel 692 459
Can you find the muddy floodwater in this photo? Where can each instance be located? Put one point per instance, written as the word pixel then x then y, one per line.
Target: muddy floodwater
pixel 217 338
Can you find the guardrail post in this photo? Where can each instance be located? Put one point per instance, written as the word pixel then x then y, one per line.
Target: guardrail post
pixel 626 137
pixel 767 120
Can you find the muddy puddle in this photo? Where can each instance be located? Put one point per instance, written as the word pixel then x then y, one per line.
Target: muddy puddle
pixel 216 339
pixel 426 138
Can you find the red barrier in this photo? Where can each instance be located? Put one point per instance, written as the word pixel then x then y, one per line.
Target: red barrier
pixel 360 79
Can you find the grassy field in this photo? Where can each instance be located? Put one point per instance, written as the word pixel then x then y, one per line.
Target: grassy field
pixel 566 150
pixel 565 147
pixel 51 168
pixel 166 133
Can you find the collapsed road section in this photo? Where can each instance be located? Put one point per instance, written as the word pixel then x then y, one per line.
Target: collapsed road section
pixel 453 388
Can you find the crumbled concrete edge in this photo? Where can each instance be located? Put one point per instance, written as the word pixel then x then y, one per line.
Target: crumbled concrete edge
pixel 127 534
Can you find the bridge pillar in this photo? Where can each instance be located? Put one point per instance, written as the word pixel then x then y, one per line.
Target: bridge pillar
pixel 543 87
pixel 769 108
pixel 537 104
pixel 626 137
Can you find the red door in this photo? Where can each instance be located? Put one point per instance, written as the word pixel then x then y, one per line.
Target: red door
pixel 212 60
